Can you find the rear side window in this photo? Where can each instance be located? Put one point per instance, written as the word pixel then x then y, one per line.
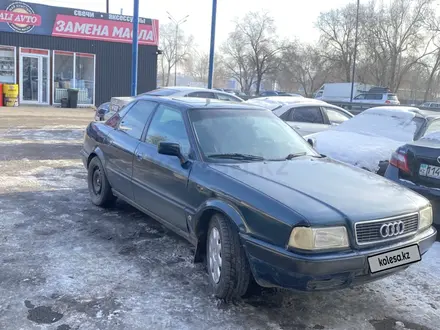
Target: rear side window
pixel 434 126
pixel 135 120
pixel 115 119
pixel 285 115
pixel 374 96
pixel 307 115
pixel 226 97
pixel 335 116
pixel 205 95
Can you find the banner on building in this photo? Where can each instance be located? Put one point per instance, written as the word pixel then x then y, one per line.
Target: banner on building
pixel 31 18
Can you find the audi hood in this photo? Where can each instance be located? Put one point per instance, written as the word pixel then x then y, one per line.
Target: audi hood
pixel 322 190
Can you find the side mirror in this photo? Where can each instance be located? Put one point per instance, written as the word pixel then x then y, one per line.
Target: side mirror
pixel 171 149
pixel 312 142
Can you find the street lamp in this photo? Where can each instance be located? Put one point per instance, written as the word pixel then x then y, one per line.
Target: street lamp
pixel 177 23
pixel 355 50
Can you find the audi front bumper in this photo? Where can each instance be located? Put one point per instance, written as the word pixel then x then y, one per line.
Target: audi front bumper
pixel 276 267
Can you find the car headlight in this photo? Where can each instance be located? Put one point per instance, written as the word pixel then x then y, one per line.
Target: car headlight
pixel 307 238
pixel 425 217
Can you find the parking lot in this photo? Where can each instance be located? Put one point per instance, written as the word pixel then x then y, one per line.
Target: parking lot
pixel 66 264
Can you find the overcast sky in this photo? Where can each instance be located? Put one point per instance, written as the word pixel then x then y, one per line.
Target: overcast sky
pixel 293 18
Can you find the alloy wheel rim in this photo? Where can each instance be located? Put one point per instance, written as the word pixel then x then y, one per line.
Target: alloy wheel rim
pixel 215 257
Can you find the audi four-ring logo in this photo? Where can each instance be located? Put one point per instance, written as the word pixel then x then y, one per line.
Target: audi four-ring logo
pixel 391 229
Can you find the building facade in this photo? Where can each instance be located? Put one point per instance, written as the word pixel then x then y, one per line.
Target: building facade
pixel 46 50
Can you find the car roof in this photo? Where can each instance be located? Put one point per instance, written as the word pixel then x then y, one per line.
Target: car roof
pixel 291 101
pixel 390 110
pixel 186 103
pixel 189 88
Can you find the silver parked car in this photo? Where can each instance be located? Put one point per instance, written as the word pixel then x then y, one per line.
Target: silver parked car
pixel 194 92
pixel 306 116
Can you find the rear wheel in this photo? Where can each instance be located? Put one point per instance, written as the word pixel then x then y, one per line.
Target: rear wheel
pixel 226 261
pixel 99 187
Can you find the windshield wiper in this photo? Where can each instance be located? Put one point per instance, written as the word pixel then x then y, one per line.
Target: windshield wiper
pixel 299 154
pixel 237 156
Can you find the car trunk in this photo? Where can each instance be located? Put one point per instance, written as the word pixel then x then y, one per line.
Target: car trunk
pixel 423 154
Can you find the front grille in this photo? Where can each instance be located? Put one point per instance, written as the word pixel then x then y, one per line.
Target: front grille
pixel 368 232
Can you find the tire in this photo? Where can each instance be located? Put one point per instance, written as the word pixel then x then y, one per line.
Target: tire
pixel 99 188
pixel 233 276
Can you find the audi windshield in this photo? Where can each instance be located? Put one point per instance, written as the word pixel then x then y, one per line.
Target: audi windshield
pixel 254 134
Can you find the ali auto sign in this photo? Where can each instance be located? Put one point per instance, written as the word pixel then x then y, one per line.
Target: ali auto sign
pixel 32 18
pixel 99 29
pixel 20 17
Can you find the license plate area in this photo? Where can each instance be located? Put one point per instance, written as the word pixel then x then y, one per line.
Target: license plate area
pixel 395 258
pixel 429 171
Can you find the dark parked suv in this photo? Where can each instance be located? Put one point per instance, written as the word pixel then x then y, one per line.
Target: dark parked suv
pixel 255 199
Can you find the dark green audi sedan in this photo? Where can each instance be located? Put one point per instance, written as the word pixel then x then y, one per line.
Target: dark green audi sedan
pixel 254 197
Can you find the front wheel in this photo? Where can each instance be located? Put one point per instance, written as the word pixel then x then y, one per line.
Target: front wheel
pixel 227 264
pixel 99 187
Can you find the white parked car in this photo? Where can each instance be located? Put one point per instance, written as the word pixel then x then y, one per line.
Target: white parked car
pixel 369 139
pixel 306 116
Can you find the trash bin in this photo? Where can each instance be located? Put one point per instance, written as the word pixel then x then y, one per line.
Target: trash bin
pixel 64 102
pixel 72 96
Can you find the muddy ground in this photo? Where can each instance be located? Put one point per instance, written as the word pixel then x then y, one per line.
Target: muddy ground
pixel 66 264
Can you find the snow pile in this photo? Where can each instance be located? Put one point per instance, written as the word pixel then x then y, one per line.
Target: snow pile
pixel 369 137
pixel 385 122
pixel 356 149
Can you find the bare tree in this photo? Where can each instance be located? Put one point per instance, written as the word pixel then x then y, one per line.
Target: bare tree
pixel 433 61
pixel 238 61
pixel 197 66
pixel 337 28
pixel 257 31
pixel 168 44
pixel 397 38
pixel 305 67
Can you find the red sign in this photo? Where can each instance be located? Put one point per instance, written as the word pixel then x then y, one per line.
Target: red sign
pixel 20 18
pixel 100 29
pixel 34 51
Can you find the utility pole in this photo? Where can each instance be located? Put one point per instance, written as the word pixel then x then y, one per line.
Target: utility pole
pixel 211 51
pixel 177 23
pixel 175 65
pixel 355 50
pixel 134 57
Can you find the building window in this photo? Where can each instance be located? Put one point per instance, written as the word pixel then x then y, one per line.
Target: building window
pixel 62 74
pixel 7 65
pixel 85 77
pixel 74 70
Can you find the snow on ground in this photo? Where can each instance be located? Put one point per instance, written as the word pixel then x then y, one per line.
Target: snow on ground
pixel 369 137
pixel 66 264
pixel 44 135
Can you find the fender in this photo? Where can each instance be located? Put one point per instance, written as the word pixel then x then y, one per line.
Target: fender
pixel 198 222
pixel 100 154
pixel 221 206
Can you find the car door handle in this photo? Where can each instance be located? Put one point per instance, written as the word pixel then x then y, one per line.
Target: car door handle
pixel 140 156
